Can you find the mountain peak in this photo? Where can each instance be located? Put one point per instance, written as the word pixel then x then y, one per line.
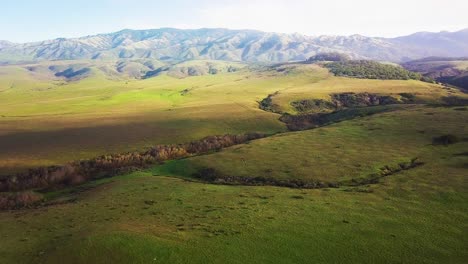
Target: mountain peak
pixel 5 44
pixel 236 45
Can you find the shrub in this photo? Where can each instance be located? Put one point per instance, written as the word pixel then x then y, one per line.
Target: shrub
pixel 445 140
pixel 206 174
pixel 312 105
pixel 18 200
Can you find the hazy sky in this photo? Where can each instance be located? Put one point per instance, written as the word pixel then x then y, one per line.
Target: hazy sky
pixel 30 20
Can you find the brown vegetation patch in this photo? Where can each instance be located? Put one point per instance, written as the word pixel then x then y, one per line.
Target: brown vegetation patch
pixel 17 200
pixel 110 165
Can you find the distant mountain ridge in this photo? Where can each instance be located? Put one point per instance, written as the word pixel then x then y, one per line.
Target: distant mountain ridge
pixel 235 45
pixel 5 44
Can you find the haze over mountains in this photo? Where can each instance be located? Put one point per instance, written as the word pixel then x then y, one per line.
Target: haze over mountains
pixel 234 45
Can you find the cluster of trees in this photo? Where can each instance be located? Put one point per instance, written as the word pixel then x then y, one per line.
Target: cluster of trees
pixel 371 70
pixel 313 120
pixel 109 165
pixel 341 100
pixel 267 104
pixel 329 56
pixel 348 100
pixel 313 105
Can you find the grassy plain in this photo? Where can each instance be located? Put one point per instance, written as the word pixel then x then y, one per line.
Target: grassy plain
pixel 43 122
pixel 162 215
pixel 327 84
pixel 415 216
pixel 46 121
pixel 340 152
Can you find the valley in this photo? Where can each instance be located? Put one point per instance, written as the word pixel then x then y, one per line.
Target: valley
pixel 92 116
pixel 162 213
pixel 330 159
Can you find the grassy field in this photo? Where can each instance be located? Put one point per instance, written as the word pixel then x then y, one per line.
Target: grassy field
pixel 338 153
pixel 46 121
pixel 161 216
pixel 326 85
pixel 164 215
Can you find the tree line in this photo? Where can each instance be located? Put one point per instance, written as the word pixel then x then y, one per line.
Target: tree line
pixel 371 70
pixel 110 165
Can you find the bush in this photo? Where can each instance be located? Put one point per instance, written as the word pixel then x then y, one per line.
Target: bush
pixel 18 200
pixel 267 104
pixel 206 174
pixel 312 105
pixel 445 140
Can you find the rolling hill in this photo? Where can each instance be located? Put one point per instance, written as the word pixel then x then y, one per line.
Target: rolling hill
pixel 192 146
pixel 90 107
pixel 450 70
pixel 368 181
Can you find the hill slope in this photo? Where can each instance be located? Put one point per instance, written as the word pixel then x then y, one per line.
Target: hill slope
pixel 92 113
pixel 453 71
pixel 147 217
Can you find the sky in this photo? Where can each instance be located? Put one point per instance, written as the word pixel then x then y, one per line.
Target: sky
pixel 34 20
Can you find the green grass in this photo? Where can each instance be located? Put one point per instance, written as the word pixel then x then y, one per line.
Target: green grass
pixel 427 92
pixel 337 153
pixel 45 121
pixel 162 215
pixel 40 125
pixel 415 216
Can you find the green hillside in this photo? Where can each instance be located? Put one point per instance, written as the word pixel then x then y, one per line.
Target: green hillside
pixel 452 71
pixel 376 173
pixel 45 116
pixel 155 216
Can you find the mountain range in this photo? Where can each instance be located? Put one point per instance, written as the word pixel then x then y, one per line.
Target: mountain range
pixel 234 45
